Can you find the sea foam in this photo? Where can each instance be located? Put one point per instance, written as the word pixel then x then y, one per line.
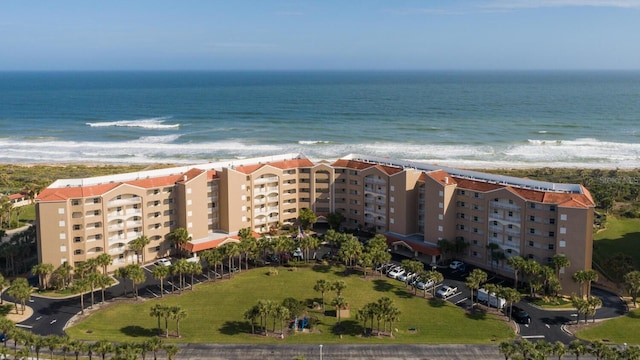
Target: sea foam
pixel 151 123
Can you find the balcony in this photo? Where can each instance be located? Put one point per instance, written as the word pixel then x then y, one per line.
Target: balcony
pixel 118 250
pixel 122 202
pixel 116 227
pixel 260 211
pixel 272 199
pixel 265 180
pixel 371 180
pixel 503 205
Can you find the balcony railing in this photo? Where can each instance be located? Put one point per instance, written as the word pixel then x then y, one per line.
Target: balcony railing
pixel 503 205
pixel 120 202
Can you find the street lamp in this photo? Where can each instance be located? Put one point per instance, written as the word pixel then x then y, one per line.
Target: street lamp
pixel 320 351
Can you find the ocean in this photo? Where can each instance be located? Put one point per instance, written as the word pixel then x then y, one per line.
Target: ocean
pixel 461 119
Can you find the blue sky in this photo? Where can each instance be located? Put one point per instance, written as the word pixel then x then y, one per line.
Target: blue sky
pixel 318 35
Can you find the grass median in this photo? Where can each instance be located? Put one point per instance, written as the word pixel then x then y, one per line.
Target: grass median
pixel 215 312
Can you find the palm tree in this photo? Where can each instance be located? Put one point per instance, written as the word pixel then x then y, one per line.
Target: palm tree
pixel 180 268
pixel 20 290
pixel 194 268
pixel 177 314
pixel 492 249
pixel 104 281
pixel 632 281
pixel 340 303
pixel 473 281
pixel 104 347
pixel 121 273
pixel 594 303
pixel 282 312
pixel 511 296
pixel 135 273
pixel 580 277
pixel 322 286
pixel 338 286
pixel 42 271
pixel 171 351
pixel 560 261
pixel 436 277
pixel 230 250
pixel 127 351
pixel 157 311
pixel 597 348
pixel 93 279
pixel 252 314
pixel 264 309
pixel 75 346
pixel 559 349
pixel 104 260
pixel 166 314
pixel 52 342
pixel 517 263
pixel 577 348
pixel 154 344
pixel 508 349
pixel 590 276
pixel 179 238
pixel 247 242
pixel 160 273
pixel 81 286
pixel 138 244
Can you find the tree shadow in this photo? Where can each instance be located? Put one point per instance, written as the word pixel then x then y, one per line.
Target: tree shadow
pixel 321 268
pixel 403 293
pixel 138 331
pixel 5 309
pixel 476 313
pixel 436 302
pixel 235 327
pixel 382 285
pixel 348 327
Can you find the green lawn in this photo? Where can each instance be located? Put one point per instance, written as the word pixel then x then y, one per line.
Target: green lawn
pixel 619 330
pixel 620 236
pixel 215 312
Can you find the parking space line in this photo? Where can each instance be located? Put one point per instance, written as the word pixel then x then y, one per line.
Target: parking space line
pixel 459 301
pixel 533 337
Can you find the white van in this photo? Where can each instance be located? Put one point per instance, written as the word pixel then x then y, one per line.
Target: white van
pixel 490 299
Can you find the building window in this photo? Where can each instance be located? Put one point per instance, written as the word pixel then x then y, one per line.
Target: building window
pixel 530 256
pixel 98 236
pixel 510 226
pixel 510 202
pixel 551 246
pixel 77 239
pixel 532 205
pixel 77 252
pixel 510 213
pixel 475 242
pixel 475 218
pixel 156 192
pixel 75 202
pixel 552 234
pixel 563 217
pixel 495 223
pixel 96 213
pixel 562 243
pixel 552 208
pixel 462 216
pixel 530 243
pixel 552 221
pixel 475 230
pixel 495 235
pixel 532 231
pixel 509 238
pixel 76 227
pixel 532 218
pixel 461 192
pixel 96 200
pixel 475 254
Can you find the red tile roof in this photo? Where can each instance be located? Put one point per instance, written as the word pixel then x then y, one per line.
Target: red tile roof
pixel 442 177
pixel 361 165
pixel 211 244
pixel 414 245
pixel 285 164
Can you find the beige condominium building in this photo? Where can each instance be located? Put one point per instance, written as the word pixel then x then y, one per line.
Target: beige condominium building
pixel 414 204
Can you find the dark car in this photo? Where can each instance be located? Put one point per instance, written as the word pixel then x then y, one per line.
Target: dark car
pixel 519 315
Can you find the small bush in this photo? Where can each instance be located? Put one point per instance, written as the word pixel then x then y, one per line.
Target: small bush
pixel 272 271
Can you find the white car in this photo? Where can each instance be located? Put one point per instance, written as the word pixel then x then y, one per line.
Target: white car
pixel 446 291
pixel 396 272
pixel 163 262
pixel 405 277
pixel 457 265
pixel 426 284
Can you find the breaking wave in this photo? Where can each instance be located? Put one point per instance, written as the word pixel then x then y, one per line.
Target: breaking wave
pixel 151 123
